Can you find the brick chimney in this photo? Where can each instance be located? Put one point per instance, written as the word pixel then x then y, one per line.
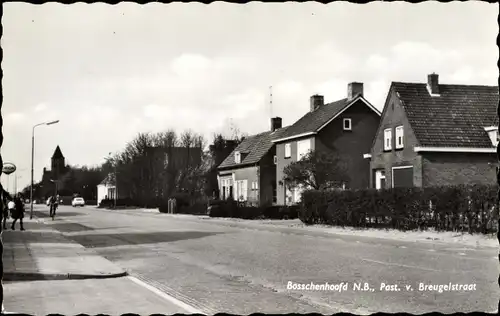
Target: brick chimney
pixel 354 89
pixel 276 123
pixel 433 83
pixel 316 101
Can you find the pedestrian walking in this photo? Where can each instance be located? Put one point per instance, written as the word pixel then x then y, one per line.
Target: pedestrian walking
pixel 18 213
pixel 5 207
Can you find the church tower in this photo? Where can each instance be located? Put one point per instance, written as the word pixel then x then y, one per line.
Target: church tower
pixel 57 166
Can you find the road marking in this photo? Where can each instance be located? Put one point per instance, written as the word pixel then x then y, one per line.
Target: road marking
pixel 432 250
pixel 461 253
pixel 400 265
pixel 163 295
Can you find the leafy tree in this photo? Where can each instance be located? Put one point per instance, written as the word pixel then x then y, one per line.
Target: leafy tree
pixel 318 170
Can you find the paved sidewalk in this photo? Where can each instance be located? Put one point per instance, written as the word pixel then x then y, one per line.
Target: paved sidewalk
pixel 46 273
pixel 92 297
pixel 42 253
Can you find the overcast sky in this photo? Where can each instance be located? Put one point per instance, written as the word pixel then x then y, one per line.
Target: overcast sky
pixel 108 72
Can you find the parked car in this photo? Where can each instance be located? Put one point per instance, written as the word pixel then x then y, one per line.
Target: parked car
pixel 78 201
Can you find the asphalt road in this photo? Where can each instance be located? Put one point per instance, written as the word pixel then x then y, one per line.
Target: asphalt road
pixel 244 268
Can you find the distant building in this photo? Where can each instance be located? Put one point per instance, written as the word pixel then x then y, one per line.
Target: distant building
pixel 51 179
pixel 107 188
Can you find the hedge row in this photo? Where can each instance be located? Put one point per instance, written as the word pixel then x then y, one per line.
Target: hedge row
pixel 231 209
pixel 108 203
pixel 234 210
pixel 452 208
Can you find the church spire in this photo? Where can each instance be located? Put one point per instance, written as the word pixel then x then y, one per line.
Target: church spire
pixel 57 153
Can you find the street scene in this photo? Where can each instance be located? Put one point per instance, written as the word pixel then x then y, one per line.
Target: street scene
pixel 215 265
pixel 225 158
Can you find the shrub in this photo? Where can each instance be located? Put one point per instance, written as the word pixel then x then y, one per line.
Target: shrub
pixel 91 202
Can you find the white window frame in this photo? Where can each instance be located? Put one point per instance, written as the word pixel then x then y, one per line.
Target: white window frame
pixel 275 159
pixel 288 150
pixel 300 145
pixel 388 137
pixel 256 185
pixel 347 120
pixel 237 157
pixel 400 136
pixel 398 167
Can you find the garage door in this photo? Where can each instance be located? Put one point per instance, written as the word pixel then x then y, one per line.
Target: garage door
pixel 402 177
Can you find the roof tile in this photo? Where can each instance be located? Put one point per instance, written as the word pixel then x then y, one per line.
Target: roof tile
pixel 314 120
pixel 255 147
pixel 456 118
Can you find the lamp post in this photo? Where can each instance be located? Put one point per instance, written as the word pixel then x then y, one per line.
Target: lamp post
pixel 33 158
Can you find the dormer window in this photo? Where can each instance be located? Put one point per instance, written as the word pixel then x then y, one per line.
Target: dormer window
pixel 237 157
pixel 347 124
pixel 493 134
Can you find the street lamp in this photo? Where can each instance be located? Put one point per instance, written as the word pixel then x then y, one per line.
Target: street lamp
pixel 33 158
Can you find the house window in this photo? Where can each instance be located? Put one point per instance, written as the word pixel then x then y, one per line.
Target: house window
pixel 387 139
pixel 347 124
pixel 275 159
pixel 237 157
pixel 288 150
pixel 241 190
pixel 399 137
pixel 255 185
pixel 226 188
pixel 303 147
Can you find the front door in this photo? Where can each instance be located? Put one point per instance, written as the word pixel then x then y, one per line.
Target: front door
pixel 379 179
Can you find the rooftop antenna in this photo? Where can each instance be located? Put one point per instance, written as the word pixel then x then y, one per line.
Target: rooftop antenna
pixel 271 101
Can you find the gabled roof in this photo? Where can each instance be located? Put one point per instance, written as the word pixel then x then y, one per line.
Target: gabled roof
pixel 108 180
pixel 57 153
pixel 313 122
pixel 455 118
pixel 252 148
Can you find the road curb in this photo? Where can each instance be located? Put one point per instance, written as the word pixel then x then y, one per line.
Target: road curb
pixel 22 276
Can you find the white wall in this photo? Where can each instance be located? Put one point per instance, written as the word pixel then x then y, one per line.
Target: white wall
pixel 102 191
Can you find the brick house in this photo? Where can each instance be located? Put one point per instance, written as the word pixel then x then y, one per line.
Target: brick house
pixel 345 127
pixel 249 172
pixel 435 134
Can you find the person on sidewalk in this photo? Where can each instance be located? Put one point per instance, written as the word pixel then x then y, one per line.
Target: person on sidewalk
pixel 11 205
pixel 53 205
pixel 5 207
pixel 18 213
